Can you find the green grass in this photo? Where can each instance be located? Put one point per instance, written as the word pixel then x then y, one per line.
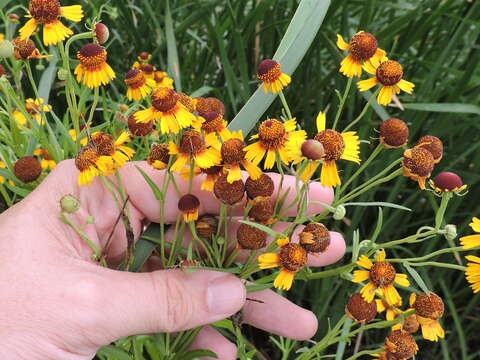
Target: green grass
pixel 213 48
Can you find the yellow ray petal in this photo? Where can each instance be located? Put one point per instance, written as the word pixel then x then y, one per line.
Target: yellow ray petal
pixel 284 280
pixel 401 279
pixel 321 121
pixel 360 276
pixel 269 260
pixel 365 85
pixel 28 29
pixel 365 262
pixel 385 95
pixel 406 86
pixel 342 44
pixel 329 174
pixel 368 292
pixel 470 242
pixel 352 147
pixel 475 224
pixel 391 295
pixel 73 12
pixel 380 256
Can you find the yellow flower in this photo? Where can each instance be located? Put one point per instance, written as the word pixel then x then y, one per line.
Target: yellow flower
pixel 93 69
pixel 291 259
pixel 47 160
pixel 159 156
pixel 429 308
pixel 194 146
pixel 362 47
pixel 162 79
pixel 272 77
pixel 91 164
pixel 73 135
pixel 106 145
pixel 48 12
pixel 214 122
pixel 473 272
pixel 34 107
pixel 188 206
pixel 2 166
pixel 211 175
pixel 337 146
pixel 381 276
pixel 168 110
pixel 148 69
pixel 472 241
pixel 274 137
pixel 389 75
pixel 139 87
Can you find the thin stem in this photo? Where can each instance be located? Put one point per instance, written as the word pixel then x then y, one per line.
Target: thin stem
pixel 96 97
pixel 439 264
pixel 285 104
pixel 5 195
pixel 342 103
pixel 96 250
pixel 364 111
pixel 429 256
pixel 446 196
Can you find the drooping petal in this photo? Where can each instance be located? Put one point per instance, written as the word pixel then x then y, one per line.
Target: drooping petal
pixel 364 85
pixel 352 147
pixel 28 29
pixel 284 280
pixel 365 262
pixel 329 174
pixel 360 276
pixel 321 121
pixel 402 280
pixel 342 44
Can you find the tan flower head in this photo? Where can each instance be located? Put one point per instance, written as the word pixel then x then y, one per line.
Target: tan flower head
pixel 418 164
pixel 159 156
pixel 315 238
pixel 401 345
pixel 206 226
pixel 250 238
pixel 432 144
pixel 262 209
pixel 263 186
pixel 394 133
pixel 139 129
pixel 27 169
pixel 360 310
pixel 229 193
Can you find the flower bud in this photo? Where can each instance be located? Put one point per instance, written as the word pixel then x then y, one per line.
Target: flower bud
pixel 69 204
pixel 90 220
pixel 448 181
pixel 14 17
pixel 339 212
pixel 40 67
pixel 450 232
pixel 102 33
pixel 62 74
pixel 6 49
pixel 313 150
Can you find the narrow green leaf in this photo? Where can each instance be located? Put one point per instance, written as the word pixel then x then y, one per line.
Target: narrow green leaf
pixel 173 63
pixel 264 228
pixel 48 77
pixel 198 354
pixel 144 248
pixel 446 107
pixel 156 190
pixel 114 352
pixel 378 203
pixel 416 276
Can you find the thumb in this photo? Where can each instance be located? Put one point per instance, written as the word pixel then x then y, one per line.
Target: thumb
pixel 166 300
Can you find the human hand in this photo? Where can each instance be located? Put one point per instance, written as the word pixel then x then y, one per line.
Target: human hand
pixel 59 304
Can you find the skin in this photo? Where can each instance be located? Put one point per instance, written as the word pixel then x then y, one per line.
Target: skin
pixel 59 304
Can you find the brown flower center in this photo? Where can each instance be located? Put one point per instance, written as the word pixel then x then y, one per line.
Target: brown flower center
pixel 159 152
pixel 269 70
pixel 251 238
pixel 135 79
pixel 192 143
pixel 23 48
pixel 138 128
pixel 104 143
pixel 45 11
pixel 389 73
pixel 333 144
pixel 164 99
pixel 263 186
pixel 394 133
pixel 272 133
pixel 27 169
pixel 229 193
pixel 213 122
pixel 432 144
pixel 188 203
pixel 429 305
pixel 147 68
pixel 360 310
pixel 363 46
pixel 418 161
pixel 401 345
pixel 92 56
pixel 382 274
pixel 293 257
pixel 232 151
pixel 204 105
pixel 315 237
pixel 86 158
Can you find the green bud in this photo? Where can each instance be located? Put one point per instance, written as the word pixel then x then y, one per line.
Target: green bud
pixel 62 74
pixel 220 240
pixel 6 49
pixel 69 204
pixel 339 212
pixel 450 232
pixel 90 220
pixel 40 67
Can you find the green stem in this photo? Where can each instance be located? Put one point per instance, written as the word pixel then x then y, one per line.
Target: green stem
pixel 96 98
pixel 364 111
pixel 285 104
pixel 446 196
pixel 439 264
pixel 429 256
pixel 408 239
pixel 5 195
pixel 96 250
pixel 328 273
pixel 342 103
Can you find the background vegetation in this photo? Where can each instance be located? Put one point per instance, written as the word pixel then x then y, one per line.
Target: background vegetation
pixel 219 44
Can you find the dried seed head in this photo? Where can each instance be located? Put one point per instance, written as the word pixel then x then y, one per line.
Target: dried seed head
pixel 269 70
pixel 448 181
pixel 206 226
pixel 389 72
pixel 432 144
pixel 187 101
pixel 315 238
pixel 213 122
pixel 101 33
pixel 135 78
pixel 192 142
pixel 429 306
pixel 313 150
pixel 251 238
pixel 23 48
pixel 205 105
pixel 27 169
pixel 411 324
pixel 263 186
pixel 104 143
pixel 148 69
pixel 262 209
pixel 188 203
pixel 363 46
pixel 394 133
pixel 360 310
pixel 293 257
pixel 232 151
pixel 164 99
pixel 333 144
pixel 86 158
pixel 139 129
pixel 45 11
pixel 382 274
pixel 418 161
pixel 159 152
pixel 401 345
pixel 229 193
pixel 92 56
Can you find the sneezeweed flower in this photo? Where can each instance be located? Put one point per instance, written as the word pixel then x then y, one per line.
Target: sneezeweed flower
pixel 93 69
pixel 262 210
pixel 337 146
pixel 47 161
pixel 206 226
pixel 273 79
pixel 359 310
pixel 234 157
pixel 472 241
pixel 473 272
pixel 229 193
pixel 381 277
pixel 26 49
pixel 73 135
pixel 250 238
pixel 401 345
pixel 188 206
pixel 205 105
pixel 34 107
pixel 212 174
pixel 394 133
pixel 48 12
pixel 429 308
pixel 162 80
pixel 159 156
pixel 168 110
pixel 275 138
pixel 362 47
pixel 391 311
pixel 187 101
pixel 147 69
pixel 418 164
pixel 263 186
pixel 389 75
pixel 106 145
pixel 91 164
pixel 311 151
pixel 448 182
pixel 315 238
pixel 214 122
pixel 139 86
pixel 144 57
pixel 137 128
pixel 432 144
pixel 291 259
pixel 196 149
pixel 27 169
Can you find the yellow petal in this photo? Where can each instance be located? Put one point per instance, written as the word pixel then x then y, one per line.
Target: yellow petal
pixel 28 29
pixel 385 96
pixel 234 174
pixel 364 85
pixel 352 147
pixel 73 12
pixel 284 280
pixel 365 262
pixel 360 276
pixel 406 86
pixel 321 121
pixel 368 292
pixel 380 256
pixel 470 242
pixel 380 305
pixel 391 295
pixel 282 242
pixel 473 258
pixel 401 279
pixel 269 260
pixel 342 44
pixel 329 174
pixel 475 224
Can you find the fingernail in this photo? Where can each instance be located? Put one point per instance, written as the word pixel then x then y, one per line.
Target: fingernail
pixel 226 295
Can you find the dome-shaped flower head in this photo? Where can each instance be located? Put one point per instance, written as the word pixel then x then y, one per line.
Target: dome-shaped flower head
pixel 205 105
pixel 432 144
pixel 214 122
pixel 229 193
pixel 362 47
pixel 310 150
pixel 381 276
pixel 48 12
pixel 448 182
pixel 188 206
pixel 250 238
pixel 389 75
pixel 261 187
pixel 162 80
pixel 91 164
pixel 345 146
pixel 394 133
pixel 418 165
pixel 26 49
pixel 139 86
pixel 360 310
pixel 401 345
pixel 168 110
pixel 273 79
pixel 291 259
pixel 429 308
pixel 93 69
pixel 274 138
pixel 27 169
pixel 106 145
pixel 472 241
pixel 159 156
